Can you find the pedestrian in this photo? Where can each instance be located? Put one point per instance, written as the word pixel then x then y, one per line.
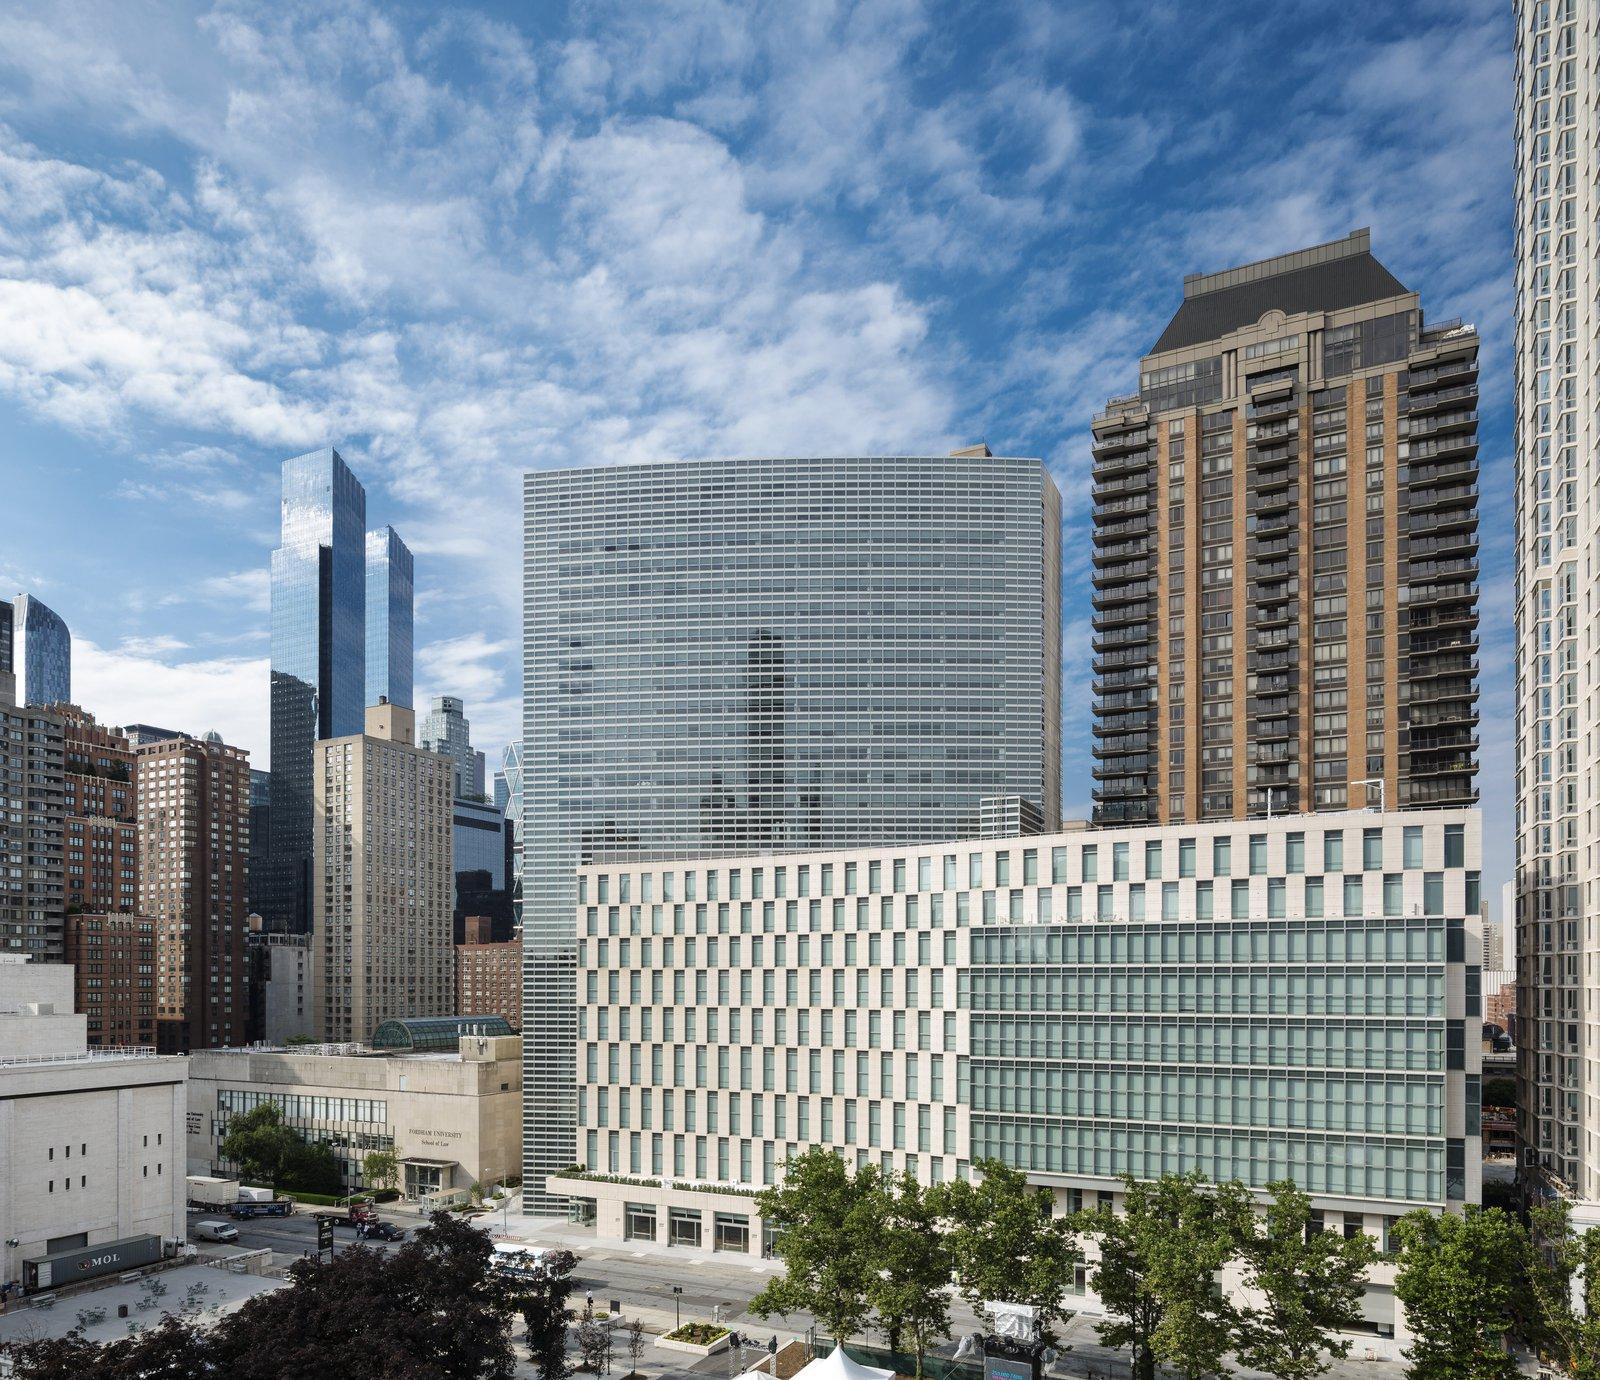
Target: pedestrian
pixel 772 1345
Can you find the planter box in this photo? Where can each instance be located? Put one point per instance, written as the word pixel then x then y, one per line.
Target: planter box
pixel 694 1348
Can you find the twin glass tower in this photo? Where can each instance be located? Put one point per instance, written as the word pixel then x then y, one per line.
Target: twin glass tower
pixel 341 638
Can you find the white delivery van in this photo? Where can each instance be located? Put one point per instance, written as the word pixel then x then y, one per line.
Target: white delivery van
pixel 216 1231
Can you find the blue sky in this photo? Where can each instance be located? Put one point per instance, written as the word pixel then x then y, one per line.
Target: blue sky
pixel 459 242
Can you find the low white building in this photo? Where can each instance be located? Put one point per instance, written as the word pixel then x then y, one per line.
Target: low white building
pixel 443 1094
pixel 1261 999
pixel 91 1141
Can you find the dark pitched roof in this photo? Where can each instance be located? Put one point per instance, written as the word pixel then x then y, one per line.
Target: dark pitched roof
pixel 1346 281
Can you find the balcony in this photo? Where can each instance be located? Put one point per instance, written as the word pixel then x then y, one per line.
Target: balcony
pixel 1460 443
pixel 1443 371
pixel 1121 615
pixel 1429 425
pixel 1427 401
pixel 1457 541
pixel 1426 496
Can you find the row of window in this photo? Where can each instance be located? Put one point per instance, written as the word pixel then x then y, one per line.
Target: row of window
pixel 1078 862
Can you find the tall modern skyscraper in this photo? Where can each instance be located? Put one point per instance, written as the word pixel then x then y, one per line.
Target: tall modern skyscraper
pixel 330 630
pixel 447 730
pixel 389 607
pixel 746 656
pixel 36 647
pixel 1557 527
pixel 1286 551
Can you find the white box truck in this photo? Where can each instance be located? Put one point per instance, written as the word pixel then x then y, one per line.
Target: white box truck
pixel 206 1191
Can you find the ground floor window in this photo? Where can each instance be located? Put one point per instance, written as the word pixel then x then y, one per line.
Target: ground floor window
pixel 769 1239
pixel 582 1211
pixel 684 1227
pixel 732 1232
pixel 639 1222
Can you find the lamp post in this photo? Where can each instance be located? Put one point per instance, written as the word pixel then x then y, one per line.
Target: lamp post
pixel 677 1306
pixel 1372 781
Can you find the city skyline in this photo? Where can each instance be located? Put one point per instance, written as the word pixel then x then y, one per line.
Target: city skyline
pixel 986 284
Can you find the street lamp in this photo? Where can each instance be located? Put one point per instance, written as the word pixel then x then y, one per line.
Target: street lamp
pixel 677 1306
pixel 1371 781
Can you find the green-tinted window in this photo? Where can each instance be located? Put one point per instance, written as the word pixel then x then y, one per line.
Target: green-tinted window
pixel 1314 897
pixel 1258 855
pixel 1119 862
pixel 1221 856
pixel 1411 846
pixel 1186 857
pixel 1277 890
pixel 1333 852
pixel 1169 900
pixel 1372 850
pixel 1058 865
pixel 1393 894
pixel 1091 864
pixel 1152 860
pixel 1202 901
pixel 1353 899
pixel 1455 845
pixel 1030 867
pixel 1002 869
pixel 1240 905
pixel 1433 893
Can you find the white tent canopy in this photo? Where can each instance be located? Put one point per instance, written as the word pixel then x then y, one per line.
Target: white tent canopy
pixel 837 1366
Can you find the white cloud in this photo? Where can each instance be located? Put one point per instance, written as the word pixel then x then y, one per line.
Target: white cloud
pixel 134 684
pixel 247 589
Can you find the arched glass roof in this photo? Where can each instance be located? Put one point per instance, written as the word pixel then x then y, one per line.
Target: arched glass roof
pixel 433 1033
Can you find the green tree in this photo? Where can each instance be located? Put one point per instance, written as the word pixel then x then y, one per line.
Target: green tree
pixel 1459 1279
pixel 543 1305
pixel 1564 1284
pixel 1159 1259
pixel 1310 1283
pixel 260 1144
pixel 824 1215
pixel 435 1309
pixel 380 1169
pixel 910 1291
pixel 1006 1244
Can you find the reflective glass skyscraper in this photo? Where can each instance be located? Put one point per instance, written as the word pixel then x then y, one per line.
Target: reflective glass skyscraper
pixel 389 605
pixel 36 648
pixel 318 657
pixel 765 655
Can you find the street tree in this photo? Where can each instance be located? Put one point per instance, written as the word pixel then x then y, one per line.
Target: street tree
pixel 380 1169
pixel 1459 1279
pixel 260 1144
pixel 911 1289
pixel 1006 1244
pixel 1564 1285
pixel 1310 1283
pixel 1159 1259
pixel 824 1215
pixel 636 1343
pixel 542 1301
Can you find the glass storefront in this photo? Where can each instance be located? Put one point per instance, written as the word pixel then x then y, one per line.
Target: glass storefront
pixel 639 1222
pixel 732 1232
pixel 684 1227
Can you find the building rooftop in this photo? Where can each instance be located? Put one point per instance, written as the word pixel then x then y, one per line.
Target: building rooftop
pixel 1326 277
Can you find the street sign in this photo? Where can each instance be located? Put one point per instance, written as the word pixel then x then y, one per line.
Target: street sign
pixel 324 1233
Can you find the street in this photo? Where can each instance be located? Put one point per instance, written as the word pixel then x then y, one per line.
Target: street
pixel 293 1235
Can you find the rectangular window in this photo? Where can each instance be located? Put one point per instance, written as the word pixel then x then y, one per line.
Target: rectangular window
pixel 1333 852
pixel 1455 845
pixel 1240 907
pixel 1152 860
pixel 1119 862
pixel 1221 856
pixel 1186 857
pixel 1091 863
pixel 1277 890
pixel 1372 850
pixel 1202 901
pixel 1258 855
pixel 1393 894
pixel 1314 897
pixel 1353 899
pixel 1411 846
pixel 1433 893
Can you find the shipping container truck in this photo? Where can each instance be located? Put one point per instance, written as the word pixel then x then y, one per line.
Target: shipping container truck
pixel 205 1191
pixel 88 1262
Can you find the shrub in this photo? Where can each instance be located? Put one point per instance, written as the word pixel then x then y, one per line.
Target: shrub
pixel 698 1333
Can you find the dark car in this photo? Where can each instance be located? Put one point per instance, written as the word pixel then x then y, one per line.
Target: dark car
pixel 381 1231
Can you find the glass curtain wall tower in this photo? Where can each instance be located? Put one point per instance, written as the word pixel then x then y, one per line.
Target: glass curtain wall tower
pixel 389 605
pixel 764 655
pixel 1286 551
pixel 36 647
pixel 1557 599
pixel 319 657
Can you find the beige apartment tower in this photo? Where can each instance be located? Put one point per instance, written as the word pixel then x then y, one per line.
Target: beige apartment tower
pixel 1286 552
pixel 382 884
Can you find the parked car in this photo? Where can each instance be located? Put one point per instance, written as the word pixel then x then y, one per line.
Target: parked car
pixel 380 1231
pixel 215 1231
